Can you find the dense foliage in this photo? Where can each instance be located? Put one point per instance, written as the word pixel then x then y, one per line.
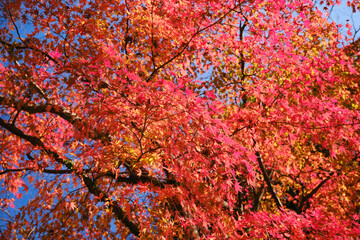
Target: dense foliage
pixel 178 119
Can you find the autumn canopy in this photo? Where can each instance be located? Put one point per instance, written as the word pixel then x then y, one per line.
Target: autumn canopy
pixel 178 119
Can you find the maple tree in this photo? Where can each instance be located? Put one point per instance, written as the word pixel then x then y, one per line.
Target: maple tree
pixel 178 120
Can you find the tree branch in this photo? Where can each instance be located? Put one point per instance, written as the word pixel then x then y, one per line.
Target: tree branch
pixel 36 142
pixel 186 44
pixel 50 171
pixel 134 179
pixel 62 112
pixel 120 214
pixel 268 182
pixel 28 47
pixel 311 194
pixel 257 200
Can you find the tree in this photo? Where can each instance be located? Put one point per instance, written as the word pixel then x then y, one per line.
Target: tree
pixel 178 120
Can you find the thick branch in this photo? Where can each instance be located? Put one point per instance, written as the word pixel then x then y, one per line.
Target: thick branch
pixel 267 180
pixel 121 215
pixel 134 179
pixel 311 194
pixel 62 112
pixel 257 199
pixel 36 142
pixel 50 171
pixel 25 46
pixel 259 194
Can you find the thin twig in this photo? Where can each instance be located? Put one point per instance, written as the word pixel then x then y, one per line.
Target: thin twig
pixel 186 44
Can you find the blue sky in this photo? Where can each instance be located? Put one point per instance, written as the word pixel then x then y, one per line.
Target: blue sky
pixel 342 14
